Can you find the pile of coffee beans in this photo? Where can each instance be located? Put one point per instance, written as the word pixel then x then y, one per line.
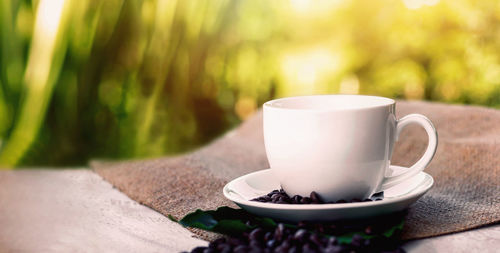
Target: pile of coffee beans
pixel 280 197
pixel 295 239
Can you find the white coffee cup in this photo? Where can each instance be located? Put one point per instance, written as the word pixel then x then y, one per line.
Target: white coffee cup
pixel 339 146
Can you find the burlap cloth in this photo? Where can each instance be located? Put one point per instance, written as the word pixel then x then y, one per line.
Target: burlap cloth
pixel 466 170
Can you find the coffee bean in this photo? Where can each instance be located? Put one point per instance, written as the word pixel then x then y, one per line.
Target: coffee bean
pixel 357 240
pixel 308 248
pixel 255 244
pixel 268 236
pixel 333 249
pixel 275 197
pixel 280 197
pixel 332 241
pixel 305 237
pixel 315 198
pixel 273 192
pixel 226 248
pixel 296 199
pixel 213 244
pixel 241 249
pixel 279 231
pixel 198 249
pixel 271 243
pixel 256 234
pixel 305 200
pixel 300 235
pixel 314 238
pixel 209 250
pixel 235 241
pixel 280 249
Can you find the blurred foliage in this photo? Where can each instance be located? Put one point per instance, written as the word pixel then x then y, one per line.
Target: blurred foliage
pixel 84 79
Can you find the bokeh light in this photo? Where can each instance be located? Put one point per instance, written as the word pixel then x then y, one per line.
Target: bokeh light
pixel 118 79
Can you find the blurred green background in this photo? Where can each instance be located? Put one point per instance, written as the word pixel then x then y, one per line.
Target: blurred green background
pixel 119 79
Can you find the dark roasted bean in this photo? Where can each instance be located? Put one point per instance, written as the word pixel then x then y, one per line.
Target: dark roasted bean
pixel 271 243
pixel 280 249
pixel 305 200
pixel 256 250
pixel 241 249
pixel 256 234
pixel 279 231
pixel 268 236
pixel 273 192
pixel 216 242
pixel 314 238
pixel 308 248
pixel 305 237
pixel 235 241
pixel 226 248
pixel 255 244
pixel 280 197
pixel 209 250
pixel 300 235
pixel 296 199
pixel 315 198
pixel 357 240
pixel 332 241
pixel 198 249
pixel 285 245
pixel 333 249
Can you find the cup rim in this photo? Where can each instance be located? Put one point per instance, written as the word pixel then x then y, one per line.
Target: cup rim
pixel 270 103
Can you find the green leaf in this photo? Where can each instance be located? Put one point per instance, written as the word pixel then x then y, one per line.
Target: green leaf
pixel 390 232
pixel 225 220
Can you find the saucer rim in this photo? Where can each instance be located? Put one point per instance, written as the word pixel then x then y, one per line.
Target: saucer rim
pixel 418 191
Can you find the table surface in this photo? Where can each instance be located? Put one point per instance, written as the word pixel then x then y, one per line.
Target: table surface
pixel 75 210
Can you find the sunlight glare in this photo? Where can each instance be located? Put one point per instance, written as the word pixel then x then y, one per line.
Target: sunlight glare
pixel 416 4
pixel 303 71
pixel 349 85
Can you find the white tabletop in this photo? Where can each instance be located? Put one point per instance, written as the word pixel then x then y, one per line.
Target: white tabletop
pixel 74 210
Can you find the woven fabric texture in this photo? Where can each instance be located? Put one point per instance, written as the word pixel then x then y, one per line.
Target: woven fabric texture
pixel 466 170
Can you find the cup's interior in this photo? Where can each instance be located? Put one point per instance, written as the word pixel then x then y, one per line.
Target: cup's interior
pixel 329 102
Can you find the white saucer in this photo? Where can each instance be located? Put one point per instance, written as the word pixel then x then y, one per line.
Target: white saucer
pixel 259 183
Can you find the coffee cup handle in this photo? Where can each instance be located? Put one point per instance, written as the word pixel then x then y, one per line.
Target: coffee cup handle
pixel 424 160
